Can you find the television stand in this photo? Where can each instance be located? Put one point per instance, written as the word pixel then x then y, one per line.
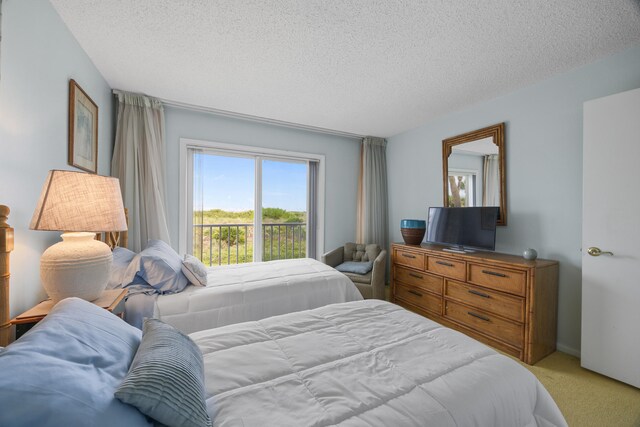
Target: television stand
pixel 503 300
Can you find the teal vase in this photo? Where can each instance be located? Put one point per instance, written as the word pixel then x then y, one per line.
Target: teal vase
pixel 413 230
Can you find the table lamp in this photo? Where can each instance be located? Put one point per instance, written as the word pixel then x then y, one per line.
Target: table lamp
pixel 80 205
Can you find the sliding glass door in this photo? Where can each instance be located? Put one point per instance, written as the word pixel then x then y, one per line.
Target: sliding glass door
pixel 284 210
pixel 250 207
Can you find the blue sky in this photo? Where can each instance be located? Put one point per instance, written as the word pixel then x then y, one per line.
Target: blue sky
pixel 228 183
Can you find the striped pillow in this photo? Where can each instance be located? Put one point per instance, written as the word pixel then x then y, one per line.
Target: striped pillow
pixel 166 378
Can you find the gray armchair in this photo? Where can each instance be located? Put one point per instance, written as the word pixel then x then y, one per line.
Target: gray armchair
pixel 371 284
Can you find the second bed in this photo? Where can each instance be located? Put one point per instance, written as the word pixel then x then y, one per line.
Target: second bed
pixel 244 292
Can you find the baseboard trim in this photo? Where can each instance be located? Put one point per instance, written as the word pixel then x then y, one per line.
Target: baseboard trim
pixel 569 350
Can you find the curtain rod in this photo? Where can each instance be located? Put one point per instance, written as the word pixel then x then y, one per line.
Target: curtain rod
pixel 251 118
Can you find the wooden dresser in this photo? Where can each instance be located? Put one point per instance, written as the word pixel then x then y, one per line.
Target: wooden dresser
pixel 502 300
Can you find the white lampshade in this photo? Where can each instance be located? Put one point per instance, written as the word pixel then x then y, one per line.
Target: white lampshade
pixel 78 201
pixel 80 204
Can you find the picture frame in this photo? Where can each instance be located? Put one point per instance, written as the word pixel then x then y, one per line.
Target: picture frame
pixel 83 129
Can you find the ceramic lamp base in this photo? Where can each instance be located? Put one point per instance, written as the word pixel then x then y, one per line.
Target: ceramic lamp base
pixel 79 266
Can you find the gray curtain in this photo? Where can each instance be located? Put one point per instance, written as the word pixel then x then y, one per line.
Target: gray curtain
pixel 373 224
pixel 139 162
pixel 312 209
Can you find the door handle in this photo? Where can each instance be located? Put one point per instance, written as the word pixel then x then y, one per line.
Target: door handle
pixel 593 251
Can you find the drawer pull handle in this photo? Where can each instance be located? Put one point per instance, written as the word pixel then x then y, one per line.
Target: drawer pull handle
pixel 416 293
pixel 493 273
pixel 479 316
pixel 409 256
pixel 480 294
pixel 417 276
pixel 446 264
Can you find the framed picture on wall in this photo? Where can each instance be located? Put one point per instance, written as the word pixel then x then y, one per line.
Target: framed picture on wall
pixel 83 129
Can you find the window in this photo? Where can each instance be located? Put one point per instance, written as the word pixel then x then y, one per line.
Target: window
pixel 244 204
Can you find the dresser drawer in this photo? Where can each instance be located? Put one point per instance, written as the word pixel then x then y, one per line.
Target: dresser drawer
pixel 446 267
pixel 410 259
pixel 508 306
pixel 419 280
pixel 482 321
pixel 502 279
pixel 419 298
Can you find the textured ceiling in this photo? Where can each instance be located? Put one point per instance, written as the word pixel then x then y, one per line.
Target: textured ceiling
pixel 376 67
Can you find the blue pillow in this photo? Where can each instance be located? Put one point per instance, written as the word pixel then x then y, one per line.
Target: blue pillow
pixel 159 266
pixel 166 378
pixel 355 267
pixel 122 257
pixel 64 371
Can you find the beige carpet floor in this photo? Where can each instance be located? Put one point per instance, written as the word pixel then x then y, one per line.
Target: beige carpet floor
pixel 586 398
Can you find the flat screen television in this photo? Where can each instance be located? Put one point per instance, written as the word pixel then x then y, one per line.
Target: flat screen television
pixel 463 228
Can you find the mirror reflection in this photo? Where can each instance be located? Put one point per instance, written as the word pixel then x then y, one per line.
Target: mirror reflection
pixel 473 170
pixel 474 174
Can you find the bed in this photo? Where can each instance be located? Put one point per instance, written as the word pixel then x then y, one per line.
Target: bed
pixel 184 293
pixel 361 363
pixel 243 292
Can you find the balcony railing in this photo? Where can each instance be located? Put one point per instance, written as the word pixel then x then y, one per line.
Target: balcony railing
pixel 217 244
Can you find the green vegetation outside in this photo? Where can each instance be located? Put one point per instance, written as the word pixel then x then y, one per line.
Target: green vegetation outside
pixel 231 240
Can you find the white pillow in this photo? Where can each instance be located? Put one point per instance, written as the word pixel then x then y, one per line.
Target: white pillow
pixel 195 270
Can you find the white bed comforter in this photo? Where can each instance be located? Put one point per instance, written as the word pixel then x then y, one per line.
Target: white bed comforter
pixel 365 363
pixel 244 292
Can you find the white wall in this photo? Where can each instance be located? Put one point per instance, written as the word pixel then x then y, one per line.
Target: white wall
pixel 341 157
pixel 544 169
pixel 38 57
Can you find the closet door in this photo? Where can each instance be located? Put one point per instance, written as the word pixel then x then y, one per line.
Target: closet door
pixel 611 237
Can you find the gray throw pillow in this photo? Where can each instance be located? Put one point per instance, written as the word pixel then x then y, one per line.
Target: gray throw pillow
pixel 166 378
pixel 195 270
pixel 355 267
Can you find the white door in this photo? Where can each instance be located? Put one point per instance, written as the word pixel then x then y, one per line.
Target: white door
pixel 611 223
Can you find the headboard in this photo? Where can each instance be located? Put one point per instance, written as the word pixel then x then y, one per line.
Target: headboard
pixel 6 246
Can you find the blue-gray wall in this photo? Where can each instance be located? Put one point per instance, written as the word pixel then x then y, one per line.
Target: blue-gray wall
pixel 544 169
pixel 543 148
pixel 341 163
pixel 38 57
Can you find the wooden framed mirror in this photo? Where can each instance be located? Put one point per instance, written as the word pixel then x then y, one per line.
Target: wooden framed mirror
pixel 473 170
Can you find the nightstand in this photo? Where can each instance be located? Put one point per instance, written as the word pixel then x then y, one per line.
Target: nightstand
pixel 111 300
